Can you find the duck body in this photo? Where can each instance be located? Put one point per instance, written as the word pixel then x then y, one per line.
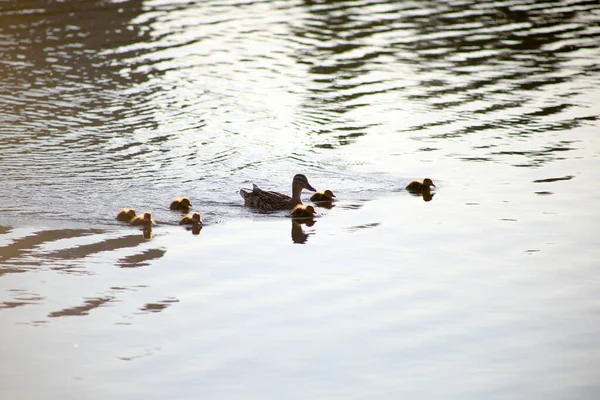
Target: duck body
pixel 145 220
pixel 126 214
pixel 181 204
pixel 326 195
pixel 265 200
pixel 193 219
pixel 420 186
pixel 302 211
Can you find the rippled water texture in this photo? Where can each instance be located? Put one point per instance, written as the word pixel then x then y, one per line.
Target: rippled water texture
pixel 489 289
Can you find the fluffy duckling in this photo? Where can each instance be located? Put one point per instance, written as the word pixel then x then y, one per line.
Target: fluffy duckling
pixel 146 220
pixel 302 211
pixel 418 186
pixel 194 219
pixel 326 195
pixel 181 204
pixel 126 214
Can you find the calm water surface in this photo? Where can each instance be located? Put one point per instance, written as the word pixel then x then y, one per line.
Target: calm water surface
pixel 489 290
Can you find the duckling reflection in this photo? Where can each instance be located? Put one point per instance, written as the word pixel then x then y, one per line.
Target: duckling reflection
pixel 426 194
pixel 195 229
pixel 181 204
pixel 298 234
pixel 126 214
pixel 147 232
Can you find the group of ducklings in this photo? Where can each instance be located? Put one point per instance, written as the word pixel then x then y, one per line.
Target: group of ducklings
pixel 325 197
pixel 265 200
pixel 262 200
pixel 178 204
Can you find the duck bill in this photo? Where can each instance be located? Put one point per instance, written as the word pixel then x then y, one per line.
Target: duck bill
pixel 308 187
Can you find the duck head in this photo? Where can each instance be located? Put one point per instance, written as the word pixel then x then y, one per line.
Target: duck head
pixel 302 182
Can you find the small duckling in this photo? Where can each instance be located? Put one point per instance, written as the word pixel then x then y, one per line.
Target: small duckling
pixel 302 211
pixel 181 204
pixel 326 195
pixel 146 220
pixel 194 219
pixel 417 186
pixel 126 214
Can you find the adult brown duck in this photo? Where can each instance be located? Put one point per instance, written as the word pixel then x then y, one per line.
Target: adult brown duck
pixel 265 200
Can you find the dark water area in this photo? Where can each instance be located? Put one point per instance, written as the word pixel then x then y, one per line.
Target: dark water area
pixel 487 289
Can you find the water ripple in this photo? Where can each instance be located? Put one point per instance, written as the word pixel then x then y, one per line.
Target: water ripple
pixel 169 97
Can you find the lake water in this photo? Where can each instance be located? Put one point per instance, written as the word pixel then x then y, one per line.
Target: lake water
pixel 489 290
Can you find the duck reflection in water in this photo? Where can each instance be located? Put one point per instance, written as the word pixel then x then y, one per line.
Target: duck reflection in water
pixel 298 234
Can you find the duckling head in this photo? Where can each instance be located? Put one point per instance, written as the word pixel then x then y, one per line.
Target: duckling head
pixel 131 213
pixel 185 202
pixel 428 182
pixel 310 209
pixel 329 194
pixel 196 218
pixel 148 216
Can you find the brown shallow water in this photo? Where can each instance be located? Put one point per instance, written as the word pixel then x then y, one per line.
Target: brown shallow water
pixel 488 290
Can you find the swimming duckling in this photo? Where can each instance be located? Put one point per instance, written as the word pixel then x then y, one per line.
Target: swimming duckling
pixel 302 211
pixel 326 195
pixel 146 220
pixel 126 214
pixel 194 219
pixel 418 187
pixel 181 204
pixel 266 200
